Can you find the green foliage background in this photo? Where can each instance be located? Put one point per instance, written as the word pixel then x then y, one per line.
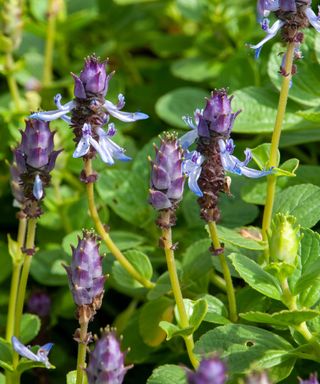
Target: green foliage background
pixel 168 55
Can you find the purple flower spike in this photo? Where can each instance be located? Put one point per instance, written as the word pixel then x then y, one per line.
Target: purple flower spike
pixel 106 362
pixel 86 280
pixel 313 379
pixel 293 15
pixel 41 356
pixel 34 159
pixel 167 180
pixel 211 371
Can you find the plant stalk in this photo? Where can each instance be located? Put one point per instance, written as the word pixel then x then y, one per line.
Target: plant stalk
pixel 226 273
pixel 174 280
pixel 82 349
pixel 15 280
pixel 272 179
pixel 105 235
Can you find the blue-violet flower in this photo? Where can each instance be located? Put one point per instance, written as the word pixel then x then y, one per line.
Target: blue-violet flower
pixel 90 112
pixel 293 15
pixel 41 356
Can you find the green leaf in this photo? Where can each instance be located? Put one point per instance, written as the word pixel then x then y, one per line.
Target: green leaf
pixel 14 251
pixel 29 328
pixel 288 168
pixel 217 312
pixel 47 269
pixel 168 374
pixel 261 155
pixel 173 330
pixel 72 378
pixel 196 311
pixel 309 278
pixel 2 379
pixel 162 287
pixel 152 313
pixel 26 364
pixel 244 346
pixel 301 201
pixel 232 237
pixel 306 85
pixel 192 9
pixel 196 69
pixel 5 354
pixel 284 318
pixel 140 262
pixel 259 109
pixel 180 102
pixel 256 277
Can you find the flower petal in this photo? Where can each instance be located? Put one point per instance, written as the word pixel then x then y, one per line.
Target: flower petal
pixel 123 116
pixel 271 32
pixel 103 151
pixel 255 173
pixel 82 147
pixel 37 189
pixel 53 115
pixel 314 20
pixel 22 350
pixel 188 138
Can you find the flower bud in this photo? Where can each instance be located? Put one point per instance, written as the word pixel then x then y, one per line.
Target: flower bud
pixel 34 159
pixel 106 362
pixel 211 371
pixel 313 379
pixel 86 280
pixel 284 239
pixel 93 79
pixel 167 180
pixel 217 115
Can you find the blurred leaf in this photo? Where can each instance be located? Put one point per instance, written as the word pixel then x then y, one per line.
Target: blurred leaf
pixel 47 269
pixel 301 201
pixel 168 374
pixel 256 277
pixel 196 69
pixel 162 287
pixel 140 262
pixel 180 102
pixel 151 314
pixel 284 318
pixel 29 327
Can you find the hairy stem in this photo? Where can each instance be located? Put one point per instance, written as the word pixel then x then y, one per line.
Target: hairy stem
pixel 272 179
pixel 82 348
pixel 106 237
pixel 175 285
pixel 226 273
pixel 51 31
pixel 32 223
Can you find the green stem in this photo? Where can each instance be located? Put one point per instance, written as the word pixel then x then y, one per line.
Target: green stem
pixel 175 285
pixel 12 84
pixel 82 349
pixel 272 179
pixel 218 281
pixel 105 235
pixel 32 223
pixel 51 30
pixel 226 273
pixel 15 280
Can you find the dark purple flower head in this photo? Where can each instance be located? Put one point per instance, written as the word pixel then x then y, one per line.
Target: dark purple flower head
pixel 86 279
pixel 93 79
pixel 211 371
pixel 106 362
pixel 217 115
pixel 167 180
pixel 34 159
pixel 39 303
pixel 313 379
